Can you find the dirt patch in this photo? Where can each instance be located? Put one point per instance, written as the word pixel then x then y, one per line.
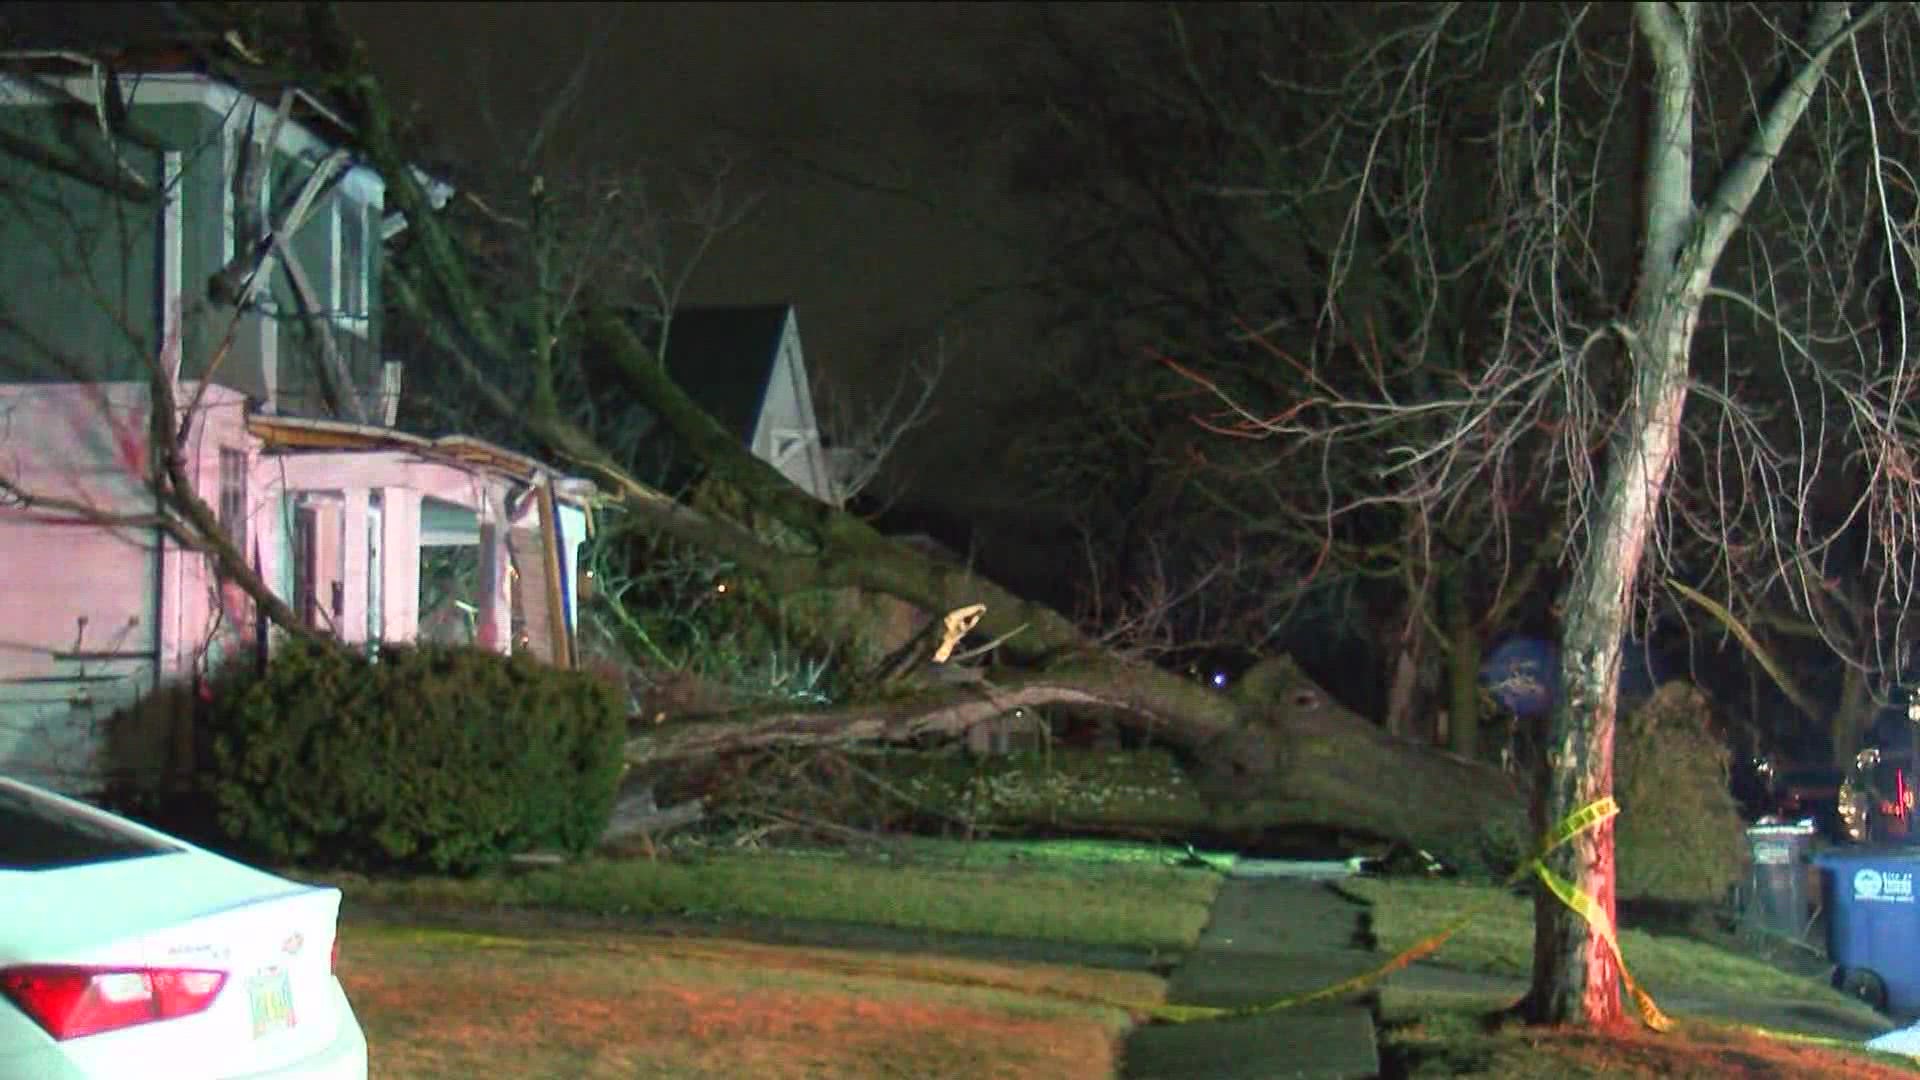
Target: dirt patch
pixel 1483 1041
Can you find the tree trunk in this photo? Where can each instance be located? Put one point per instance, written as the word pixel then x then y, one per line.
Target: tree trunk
pixel 1404 684
pixel 1575 976
pixel 1463 663
pixel 1850 720
pixel 1279 752
pixel 1406 638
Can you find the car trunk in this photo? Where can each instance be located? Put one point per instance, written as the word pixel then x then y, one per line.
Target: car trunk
pixel 190 910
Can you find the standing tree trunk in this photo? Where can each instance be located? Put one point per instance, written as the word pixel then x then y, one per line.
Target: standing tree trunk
pixel 1574 973
pixel 1463 662
pixel 1575 976
pixel 1403 683
pixel 1851 720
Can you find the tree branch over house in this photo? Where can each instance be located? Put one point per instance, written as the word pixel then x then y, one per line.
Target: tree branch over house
pixel 756 519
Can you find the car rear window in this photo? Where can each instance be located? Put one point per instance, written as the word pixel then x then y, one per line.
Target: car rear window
pixel 40 834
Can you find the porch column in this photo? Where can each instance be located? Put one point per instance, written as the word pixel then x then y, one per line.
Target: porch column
pixel 353 565
pixel 400 563
pixel 495 624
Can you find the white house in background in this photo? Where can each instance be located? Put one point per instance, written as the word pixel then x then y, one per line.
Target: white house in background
pixel 744 366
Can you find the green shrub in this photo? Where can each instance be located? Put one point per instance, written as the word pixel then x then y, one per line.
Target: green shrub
pixel 434 757
pixel 1679 836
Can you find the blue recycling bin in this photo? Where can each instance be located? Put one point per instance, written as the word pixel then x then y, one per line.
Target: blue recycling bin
pixel 1873 925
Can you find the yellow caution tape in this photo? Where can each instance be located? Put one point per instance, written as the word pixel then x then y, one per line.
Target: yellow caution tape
pixel 1581 820
pixel 1180 1014
pixel 1589 909
pixel 1574 824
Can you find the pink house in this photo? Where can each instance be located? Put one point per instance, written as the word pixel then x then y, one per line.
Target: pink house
pixel 356 527
pixel 227 240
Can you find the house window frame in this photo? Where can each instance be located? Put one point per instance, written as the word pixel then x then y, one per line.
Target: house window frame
pixel 234 494
pixel 303 548
pixel 352 294
pixel 790 443
pixel 316 544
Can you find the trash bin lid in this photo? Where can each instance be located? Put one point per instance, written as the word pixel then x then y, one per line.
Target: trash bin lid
pixel 1798 828
pixel 1905 858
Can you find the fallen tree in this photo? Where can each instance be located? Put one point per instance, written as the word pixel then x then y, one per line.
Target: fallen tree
pixel 1280 752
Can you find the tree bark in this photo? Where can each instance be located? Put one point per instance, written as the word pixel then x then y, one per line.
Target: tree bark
pixel 1851 719
pixel 1575 976
pixel 1463 662
pixel 1403 683
pixel 1279 753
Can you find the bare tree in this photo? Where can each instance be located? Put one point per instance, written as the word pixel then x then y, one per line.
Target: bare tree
pixel 862 433
pixel 1188 227
pixel 1605 264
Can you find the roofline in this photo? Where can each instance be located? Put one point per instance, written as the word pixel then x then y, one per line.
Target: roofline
pixel 297 433
pixel 221 97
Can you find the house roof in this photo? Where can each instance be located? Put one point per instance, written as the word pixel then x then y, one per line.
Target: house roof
pixel 723 358
pixel 149 39
pixel 295 434
pixel 146 40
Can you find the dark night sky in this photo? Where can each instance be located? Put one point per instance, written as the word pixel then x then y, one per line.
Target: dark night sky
pixel 874 274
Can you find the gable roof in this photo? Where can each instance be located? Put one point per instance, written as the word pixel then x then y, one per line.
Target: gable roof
pixel 723 357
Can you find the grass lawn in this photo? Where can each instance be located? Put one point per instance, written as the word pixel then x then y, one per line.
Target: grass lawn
pixel 1499 941
pixel 1088 894
pixel 450 1004
pixel 1737 1016
pixel 618 1002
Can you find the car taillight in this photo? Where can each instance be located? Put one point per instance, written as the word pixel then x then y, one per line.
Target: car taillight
pixel 333 958
pixel 74 1001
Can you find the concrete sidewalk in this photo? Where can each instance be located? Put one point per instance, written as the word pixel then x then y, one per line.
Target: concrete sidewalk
pixel 1269 937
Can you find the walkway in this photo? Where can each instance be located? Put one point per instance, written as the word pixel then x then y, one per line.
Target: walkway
pixel 1269 937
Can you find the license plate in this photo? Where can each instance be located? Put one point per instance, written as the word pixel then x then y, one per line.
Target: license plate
pixel 271 995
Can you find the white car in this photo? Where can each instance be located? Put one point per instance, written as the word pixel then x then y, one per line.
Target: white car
pixel 125 952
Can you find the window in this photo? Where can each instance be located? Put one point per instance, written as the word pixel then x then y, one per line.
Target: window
pixel 787 442
pixel 351 252
pixel 40 833
pixel 306 561
pixel 233 496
